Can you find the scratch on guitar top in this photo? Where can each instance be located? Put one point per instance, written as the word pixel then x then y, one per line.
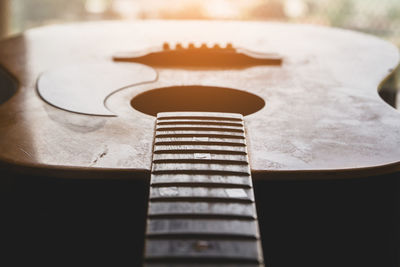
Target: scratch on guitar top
pixel 101 155
pixel 25 152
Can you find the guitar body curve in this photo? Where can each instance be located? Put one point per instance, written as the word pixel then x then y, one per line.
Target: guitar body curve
pixel 322 105
pixel 321 115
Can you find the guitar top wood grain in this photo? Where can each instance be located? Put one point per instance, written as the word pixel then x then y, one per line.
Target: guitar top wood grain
pixel 322 115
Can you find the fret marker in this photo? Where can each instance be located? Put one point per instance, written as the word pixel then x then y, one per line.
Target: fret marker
pixel 169 191
pixel 200 139
pixel 201 245
pixel 202 156
pixel 201 200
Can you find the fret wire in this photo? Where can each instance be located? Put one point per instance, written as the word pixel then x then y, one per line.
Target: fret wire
pixel 201 197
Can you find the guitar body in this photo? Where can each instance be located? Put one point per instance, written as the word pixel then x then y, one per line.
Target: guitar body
pixel 73 120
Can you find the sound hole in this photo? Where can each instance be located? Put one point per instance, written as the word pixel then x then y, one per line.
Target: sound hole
pixel 197 98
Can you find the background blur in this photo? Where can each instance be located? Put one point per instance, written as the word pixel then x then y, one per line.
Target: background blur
pixel 379 17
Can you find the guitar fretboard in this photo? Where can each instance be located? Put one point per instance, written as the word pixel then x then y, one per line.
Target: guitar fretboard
pixel 201 204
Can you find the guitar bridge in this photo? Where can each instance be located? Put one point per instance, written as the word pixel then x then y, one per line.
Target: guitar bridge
pixel 200 56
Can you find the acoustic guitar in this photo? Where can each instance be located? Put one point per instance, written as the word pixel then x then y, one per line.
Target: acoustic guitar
pixel 195 109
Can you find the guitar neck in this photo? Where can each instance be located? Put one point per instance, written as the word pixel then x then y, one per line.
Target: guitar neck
pixel 201 207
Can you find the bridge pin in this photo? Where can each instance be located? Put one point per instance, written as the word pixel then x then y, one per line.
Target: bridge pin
pixel 216 46
pixel 178 46
pixel 165 46
pixel 204 46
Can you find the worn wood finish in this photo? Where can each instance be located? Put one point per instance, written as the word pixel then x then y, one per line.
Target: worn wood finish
pixel 322 118
pixel 208 221
pixel 322 115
